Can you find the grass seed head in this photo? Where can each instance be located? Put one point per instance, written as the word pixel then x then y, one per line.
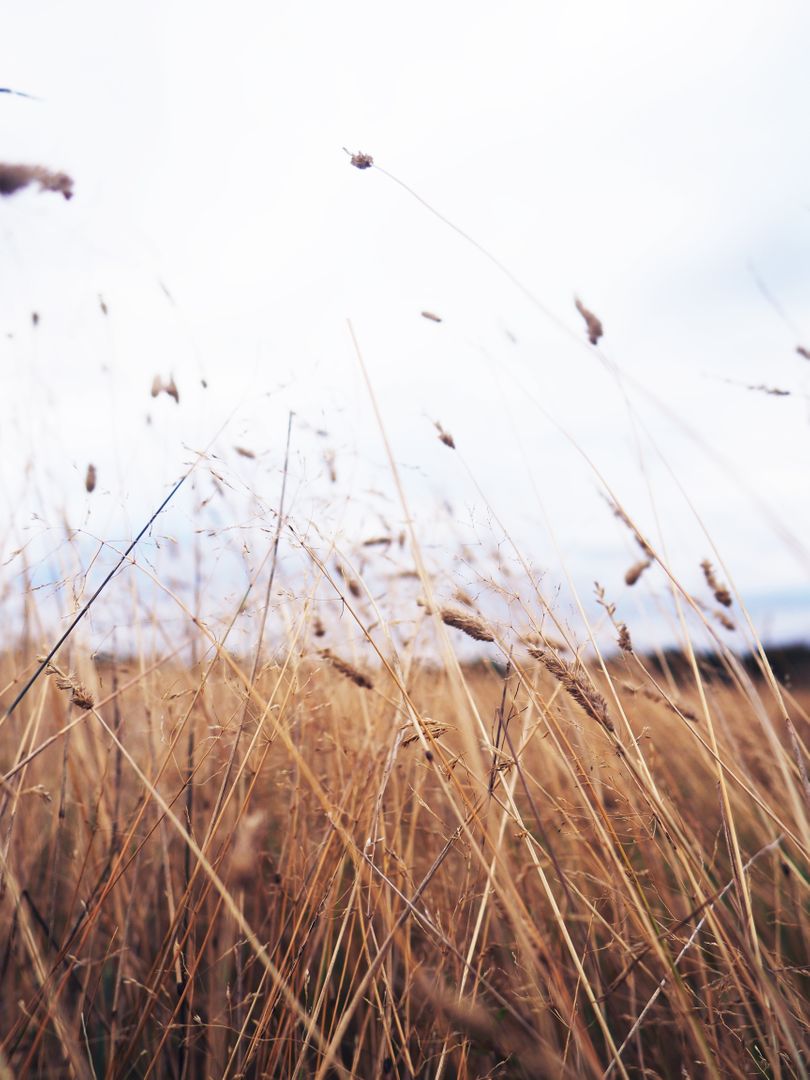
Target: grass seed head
pixel 80 696
pixel 445 436
pixel 623 517
pixel 572 679
pixel 14 178
pixel 635 571
pixel 472 625
pixel 721 593
pixel 347 669
pixel 592 324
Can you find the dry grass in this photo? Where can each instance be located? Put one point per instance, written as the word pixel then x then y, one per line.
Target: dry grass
pixel 458 874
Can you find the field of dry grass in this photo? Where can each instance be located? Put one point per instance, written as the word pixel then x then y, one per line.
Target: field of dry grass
pixel 293 867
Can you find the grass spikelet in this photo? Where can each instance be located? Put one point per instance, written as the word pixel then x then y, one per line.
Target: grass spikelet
pixel 90 478
pixel 472 625
pixel 361 160
pixel 635 571
pixel 347 669
pixel 429 726
pixel 639 539
pixel 14 178
pixel 160 386
pixel 80 696
pixel 592 323
pixel 431 316
pixel 624 640
pixel 802 351
pixel 352 584
pixel 573 681
pixel 445 436
pixel 243 451
pixel 721 593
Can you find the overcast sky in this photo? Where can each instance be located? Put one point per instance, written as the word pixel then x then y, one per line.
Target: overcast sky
pixel 652 159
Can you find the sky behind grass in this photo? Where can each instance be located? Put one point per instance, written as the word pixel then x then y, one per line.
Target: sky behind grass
pixel 651 161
